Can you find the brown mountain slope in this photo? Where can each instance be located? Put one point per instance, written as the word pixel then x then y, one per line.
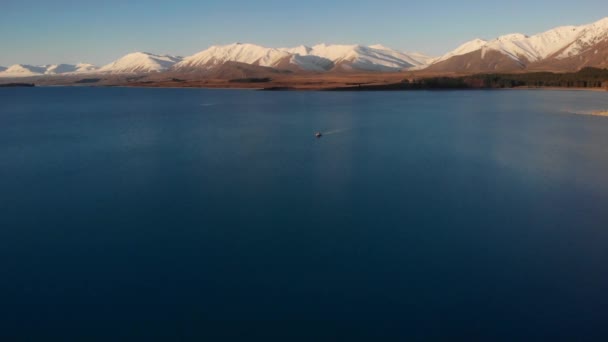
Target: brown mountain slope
pixel 226 71
pixel 477 61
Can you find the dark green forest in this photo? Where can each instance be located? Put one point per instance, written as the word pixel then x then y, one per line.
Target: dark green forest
pixel 585 78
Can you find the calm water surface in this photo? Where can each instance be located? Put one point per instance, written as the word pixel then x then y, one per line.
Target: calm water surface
pixel 168 214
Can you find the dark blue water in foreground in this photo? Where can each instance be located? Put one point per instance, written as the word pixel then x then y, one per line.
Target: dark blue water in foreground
pixel 167 214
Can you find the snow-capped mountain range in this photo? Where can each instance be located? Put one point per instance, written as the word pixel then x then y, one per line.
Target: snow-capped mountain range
pixel 562 48
pixel 576 46
pixel 24 70
pixel 317 58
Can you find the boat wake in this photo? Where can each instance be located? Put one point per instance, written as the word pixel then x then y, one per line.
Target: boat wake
pixel 588 112
pixel 337 131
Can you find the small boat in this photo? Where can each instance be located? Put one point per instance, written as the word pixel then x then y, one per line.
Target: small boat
pixel 318 134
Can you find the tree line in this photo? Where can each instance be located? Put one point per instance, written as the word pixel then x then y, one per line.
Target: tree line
pixel 585 78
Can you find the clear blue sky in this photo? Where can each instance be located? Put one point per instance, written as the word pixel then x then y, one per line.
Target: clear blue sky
pixel 99 31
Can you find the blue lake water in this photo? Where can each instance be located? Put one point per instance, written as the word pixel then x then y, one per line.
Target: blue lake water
pixel 185 214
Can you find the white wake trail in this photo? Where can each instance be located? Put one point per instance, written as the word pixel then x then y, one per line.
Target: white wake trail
pixel 588 112
pixel 336 131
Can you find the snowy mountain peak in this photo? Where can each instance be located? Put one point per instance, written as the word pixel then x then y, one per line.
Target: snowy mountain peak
pixel 468 47
pixel 23 70
pixel 512 37
pixel 140 62
pixel 237 52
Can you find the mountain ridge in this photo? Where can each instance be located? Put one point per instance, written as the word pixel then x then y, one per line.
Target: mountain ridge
pixel 540 51
pixel 564 48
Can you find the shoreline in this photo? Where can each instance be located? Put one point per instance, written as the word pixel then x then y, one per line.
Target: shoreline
pixel 584 80
pixel 559 88
pixel 341 86
pixel 369 88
